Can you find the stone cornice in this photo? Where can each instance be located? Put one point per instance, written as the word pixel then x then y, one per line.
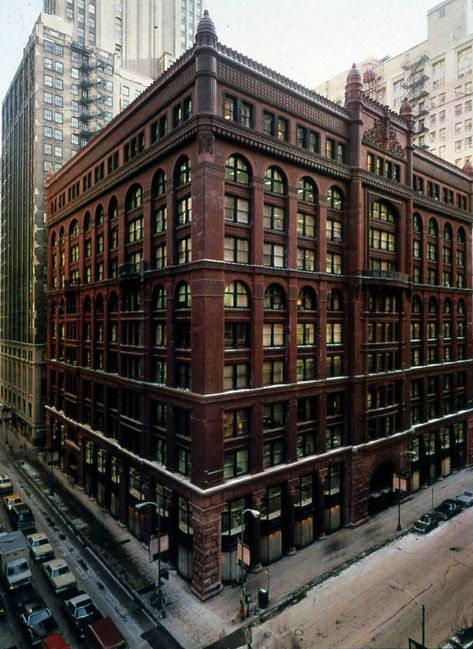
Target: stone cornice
pixel 278 149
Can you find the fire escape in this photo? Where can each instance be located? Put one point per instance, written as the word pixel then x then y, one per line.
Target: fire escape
pixel 95 91
pixel 416 92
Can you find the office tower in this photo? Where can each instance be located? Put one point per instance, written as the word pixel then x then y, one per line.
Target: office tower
pixel 265 302
pixel 84 62
pixel 435 75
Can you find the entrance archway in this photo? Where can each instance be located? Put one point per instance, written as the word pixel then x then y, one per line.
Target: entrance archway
pixel 381 492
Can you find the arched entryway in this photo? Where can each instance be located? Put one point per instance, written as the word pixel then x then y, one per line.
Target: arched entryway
pixel 381 493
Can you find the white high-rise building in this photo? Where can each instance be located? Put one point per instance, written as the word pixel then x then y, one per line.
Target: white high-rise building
pixel 435 75
pixel 85 61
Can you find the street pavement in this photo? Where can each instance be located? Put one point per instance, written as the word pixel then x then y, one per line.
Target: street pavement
pixel 215 624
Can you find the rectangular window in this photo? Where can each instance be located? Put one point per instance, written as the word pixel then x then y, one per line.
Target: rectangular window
pixel 273 255
pixel 237 250
pixel 237 210
pixel 334 263
pixel 273 372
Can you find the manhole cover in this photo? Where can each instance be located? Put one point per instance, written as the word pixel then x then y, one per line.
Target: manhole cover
pixel 299 632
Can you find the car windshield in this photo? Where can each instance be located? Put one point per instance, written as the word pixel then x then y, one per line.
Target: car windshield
pixel 17 568
pixel 39 542
pixel 86 610
pixel 39 616
pixel 421 524
pixel 62 570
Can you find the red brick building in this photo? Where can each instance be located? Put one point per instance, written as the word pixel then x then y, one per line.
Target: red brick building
pixel 257 298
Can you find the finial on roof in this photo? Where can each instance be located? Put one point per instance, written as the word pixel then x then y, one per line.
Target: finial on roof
pixel 468 167
pixel 353 86
pixel 406 112
pixel 206 34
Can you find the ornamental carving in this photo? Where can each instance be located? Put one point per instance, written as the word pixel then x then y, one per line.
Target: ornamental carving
pixel 384 136
pixel 206 142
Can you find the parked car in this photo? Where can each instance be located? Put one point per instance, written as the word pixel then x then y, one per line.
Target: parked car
pixel 21 518
pixel 463 639
pixel 12 499
pixel 40 547
pixel 425 524
pixel 59 576
pixel 54 641
pixel 103 634
pixel 465 499
pixel 448 508
pixel 6 486
pixel 37 620
pixel 81 611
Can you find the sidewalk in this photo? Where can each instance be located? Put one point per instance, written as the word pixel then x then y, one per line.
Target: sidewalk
pixel 214 624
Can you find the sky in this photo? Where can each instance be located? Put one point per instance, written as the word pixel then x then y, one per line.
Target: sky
pixel 308 41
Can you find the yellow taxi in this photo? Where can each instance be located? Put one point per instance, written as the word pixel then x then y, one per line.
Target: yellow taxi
pixel 12 499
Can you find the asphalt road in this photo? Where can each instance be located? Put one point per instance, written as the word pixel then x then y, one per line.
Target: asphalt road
pixel 360 608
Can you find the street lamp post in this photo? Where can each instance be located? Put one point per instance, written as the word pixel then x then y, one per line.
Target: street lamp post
pixel 256 514
pixel 395 586
pixel 139 506
pixel 411 453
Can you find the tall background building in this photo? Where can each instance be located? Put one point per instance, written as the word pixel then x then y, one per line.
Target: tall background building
pixel 84 62
pixel 436 77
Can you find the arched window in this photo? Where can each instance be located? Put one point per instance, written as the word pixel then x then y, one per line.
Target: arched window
pixel 461 307
pixel 113 208
pixel 53 240
pixel 182 173
pixel 61 236
pixel 237 170
pixel 334 300
pixel 307 300
pixel 447 306
pixel 183 296
pixel 159 298
pixel 335 199
pixel 416 305
pixel 87 221
pixel 433 228
pixel 447 232
pixel 274 181
pixel 274 297
pixel 461 238
pixel 237 296
pixel 158 187
pixel 307 191
pixel 99 304
pixel 99 215
pixel 134 198
pixel 433 305
pixel 87 305
pixel 417 222
pixel 74 230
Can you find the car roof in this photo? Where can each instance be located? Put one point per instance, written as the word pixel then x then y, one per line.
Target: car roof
pixel 34 605
pixel 36 535
pixel 79 599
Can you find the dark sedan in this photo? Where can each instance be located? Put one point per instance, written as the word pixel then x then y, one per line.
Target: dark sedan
pixel 448 508
pixel 425 524
pixel 37 620
pixel 81 612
